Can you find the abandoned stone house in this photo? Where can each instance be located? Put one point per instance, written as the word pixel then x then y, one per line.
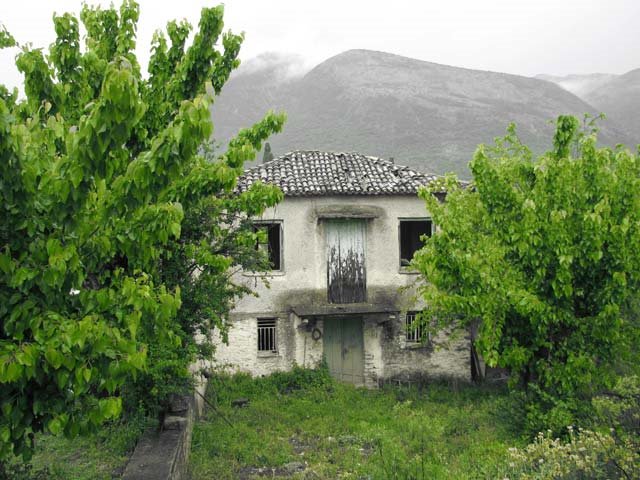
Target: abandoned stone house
pixel 339 245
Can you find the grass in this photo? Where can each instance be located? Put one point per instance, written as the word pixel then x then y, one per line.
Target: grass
pixel 331 430
pixel 98 457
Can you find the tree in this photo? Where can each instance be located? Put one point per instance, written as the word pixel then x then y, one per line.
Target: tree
pixel 98 166
pixel 545 256
pixel 217 239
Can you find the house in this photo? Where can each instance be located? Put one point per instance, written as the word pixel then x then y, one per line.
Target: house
pixel 339 245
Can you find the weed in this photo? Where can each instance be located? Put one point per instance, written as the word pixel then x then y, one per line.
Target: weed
pixel 339 431
pixel 97 457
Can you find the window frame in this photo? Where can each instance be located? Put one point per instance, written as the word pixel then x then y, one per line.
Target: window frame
pixel 274 351
pixel 413 335
pixel 406 268
pixel 280 223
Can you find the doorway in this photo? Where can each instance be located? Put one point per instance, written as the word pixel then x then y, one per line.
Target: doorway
pixel 344 349
pixel 346 274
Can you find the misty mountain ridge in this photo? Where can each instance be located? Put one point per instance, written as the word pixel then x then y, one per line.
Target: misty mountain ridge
pixel 620 100
pixel 618 96
pixel 579 85
pixel 426 115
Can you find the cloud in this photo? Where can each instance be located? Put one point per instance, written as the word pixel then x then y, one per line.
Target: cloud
pixel 285 66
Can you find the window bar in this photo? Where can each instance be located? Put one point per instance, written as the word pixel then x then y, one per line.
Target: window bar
pixel 267 335
pixel 413 329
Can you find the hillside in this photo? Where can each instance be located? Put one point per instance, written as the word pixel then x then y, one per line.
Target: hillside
pixel 619 99
pixel 425 115
pixel 579 85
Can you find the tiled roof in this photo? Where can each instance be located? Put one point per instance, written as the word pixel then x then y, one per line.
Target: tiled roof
pixel 313 173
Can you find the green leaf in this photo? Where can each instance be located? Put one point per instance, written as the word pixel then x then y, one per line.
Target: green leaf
pixel 174 228
pixel 5 433
pixel 13 372
pixel 6 264
pixel 55 426
pixel 54 357
pixel 110 407
pixel 62 378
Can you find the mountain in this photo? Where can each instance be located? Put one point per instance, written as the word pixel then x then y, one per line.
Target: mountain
pixel 579 85
pixel 619 99
pixel 426 115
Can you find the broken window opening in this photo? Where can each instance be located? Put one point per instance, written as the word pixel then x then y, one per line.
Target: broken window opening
pixel 267 337
pixel 411 233
pixel 272 245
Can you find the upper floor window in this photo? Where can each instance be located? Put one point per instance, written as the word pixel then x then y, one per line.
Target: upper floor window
pixel 411 232
pixel 272 243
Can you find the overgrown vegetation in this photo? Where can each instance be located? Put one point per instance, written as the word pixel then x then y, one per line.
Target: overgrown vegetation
pixel 543 255
pixel 104 176
pixel 101 456
pixel 304 425
pixel 121 230
pixel 607 448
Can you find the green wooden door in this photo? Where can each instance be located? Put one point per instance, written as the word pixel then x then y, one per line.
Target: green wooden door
pixel 344 349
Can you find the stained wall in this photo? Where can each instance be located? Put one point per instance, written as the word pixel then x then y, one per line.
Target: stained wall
pixel 302 285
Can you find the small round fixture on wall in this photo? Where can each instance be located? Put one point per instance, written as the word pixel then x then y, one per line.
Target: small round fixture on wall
pixel 316 334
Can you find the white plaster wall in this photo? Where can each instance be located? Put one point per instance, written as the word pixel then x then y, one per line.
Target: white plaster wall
pixel 304 249
pixel 303 282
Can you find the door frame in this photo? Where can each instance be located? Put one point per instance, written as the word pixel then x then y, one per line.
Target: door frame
pixel 358 296
pixel 339 373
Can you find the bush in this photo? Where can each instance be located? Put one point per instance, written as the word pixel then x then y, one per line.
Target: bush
pixel 587 455
pixel 167 375
pixel 609 449
pixel 226 387
pixel 102 176
pixel 300 378
pixel 17 471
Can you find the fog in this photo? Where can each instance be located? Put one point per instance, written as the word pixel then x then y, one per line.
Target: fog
pixel 521 37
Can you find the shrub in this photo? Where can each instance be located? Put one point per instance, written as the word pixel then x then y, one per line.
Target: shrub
pixel 609 449
pixel 586 455
pixel 300 378
pixel 541 254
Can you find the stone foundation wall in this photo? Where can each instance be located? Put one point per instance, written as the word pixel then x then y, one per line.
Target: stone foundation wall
pixel 373 344
pixel 443 357
pixel 387 355
pixel 295 343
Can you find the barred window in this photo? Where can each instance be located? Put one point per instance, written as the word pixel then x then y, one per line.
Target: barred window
pixel 267 338
pixel 414 330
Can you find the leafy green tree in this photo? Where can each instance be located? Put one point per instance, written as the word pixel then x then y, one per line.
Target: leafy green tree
pixel 98 166
pixel 544 256
pixel 217 240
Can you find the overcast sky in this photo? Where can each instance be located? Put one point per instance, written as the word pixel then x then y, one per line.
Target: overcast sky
pixel 524 37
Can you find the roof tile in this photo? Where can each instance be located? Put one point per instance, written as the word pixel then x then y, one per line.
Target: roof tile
pixel 314 173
